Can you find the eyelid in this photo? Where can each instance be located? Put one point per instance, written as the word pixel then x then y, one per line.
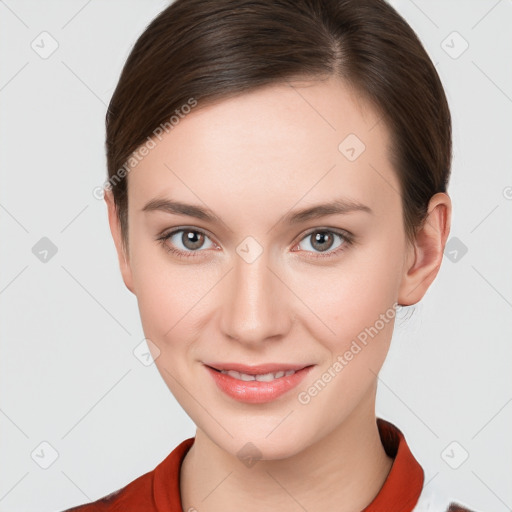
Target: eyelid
pixel 342 232
pixel 172 231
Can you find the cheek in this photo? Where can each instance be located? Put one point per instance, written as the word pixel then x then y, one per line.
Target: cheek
pixel 355 291
pixel 353 304
pixel 171 296
pixel 166 298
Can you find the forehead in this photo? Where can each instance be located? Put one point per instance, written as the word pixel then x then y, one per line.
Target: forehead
pixel 279 144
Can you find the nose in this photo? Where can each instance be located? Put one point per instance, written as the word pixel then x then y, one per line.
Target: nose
pixel 255 303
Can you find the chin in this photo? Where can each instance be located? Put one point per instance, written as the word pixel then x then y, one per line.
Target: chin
pixel 257 444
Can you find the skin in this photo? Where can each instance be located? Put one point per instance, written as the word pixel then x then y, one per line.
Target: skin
pixel 251 160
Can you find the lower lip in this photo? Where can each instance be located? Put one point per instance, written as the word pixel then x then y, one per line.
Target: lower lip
pixel 255 392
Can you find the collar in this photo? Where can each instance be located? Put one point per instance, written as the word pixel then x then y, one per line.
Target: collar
pixel 404 483
pixel 400 491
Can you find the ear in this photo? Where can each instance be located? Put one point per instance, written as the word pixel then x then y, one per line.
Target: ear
pixel 115 229
pixel 425 254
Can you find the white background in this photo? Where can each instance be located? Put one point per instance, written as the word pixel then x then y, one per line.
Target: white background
pixel 68 326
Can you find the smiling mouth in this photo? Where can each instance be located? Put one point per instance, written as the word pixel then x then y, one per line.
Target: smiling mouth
pixel 257 387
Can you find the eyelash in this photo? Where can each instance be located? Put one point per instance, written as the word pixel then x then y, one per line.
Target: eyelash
pixel 348 240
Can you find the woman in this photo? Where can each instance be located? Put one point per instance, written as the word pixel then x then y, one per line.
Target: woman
pixel 243 136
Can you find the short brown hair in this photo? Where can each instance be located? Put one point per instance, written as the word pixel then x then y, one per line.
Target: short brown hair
pixel 213 49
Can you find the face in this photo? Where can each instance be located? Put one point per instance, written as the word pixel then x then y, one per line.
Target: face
pixel 260 283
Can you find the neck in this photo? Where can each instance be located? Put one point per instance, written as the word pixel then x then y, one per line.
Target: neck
pixel 343 471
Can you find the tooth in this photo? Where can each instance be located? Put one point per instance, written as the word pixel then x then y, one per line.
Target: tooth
pixel 241 376
pixel 267 377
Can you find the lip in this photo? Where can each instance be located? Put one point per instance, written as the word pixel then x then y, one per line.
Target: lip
pixel 256 392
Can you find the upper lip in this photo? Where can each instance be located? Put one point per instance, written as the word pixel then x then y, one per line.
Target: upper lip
pixel 258 369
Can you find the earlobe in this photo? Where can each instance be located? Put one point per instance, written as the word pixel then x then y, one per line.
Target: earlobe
pixel 115 229
pixel 426 254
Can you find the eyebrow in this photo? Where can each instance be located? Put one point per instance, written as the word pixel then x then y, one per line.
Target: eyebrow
pixel 337 207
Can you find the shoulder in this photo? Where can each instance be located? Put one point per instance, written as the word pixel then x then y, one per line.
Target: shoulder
pixel 136 493
pixel 455 507
pixel 436 496
pixel 161 485
pixel 439 503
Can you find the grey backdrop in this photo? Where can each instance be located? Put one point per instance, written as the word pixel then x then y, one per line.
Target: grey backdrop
pixel 69 377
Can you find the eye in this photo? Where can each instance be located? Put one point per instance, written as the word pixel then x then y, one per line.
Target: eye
pixel 185 242
pixel 188 242
pixel 326 241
